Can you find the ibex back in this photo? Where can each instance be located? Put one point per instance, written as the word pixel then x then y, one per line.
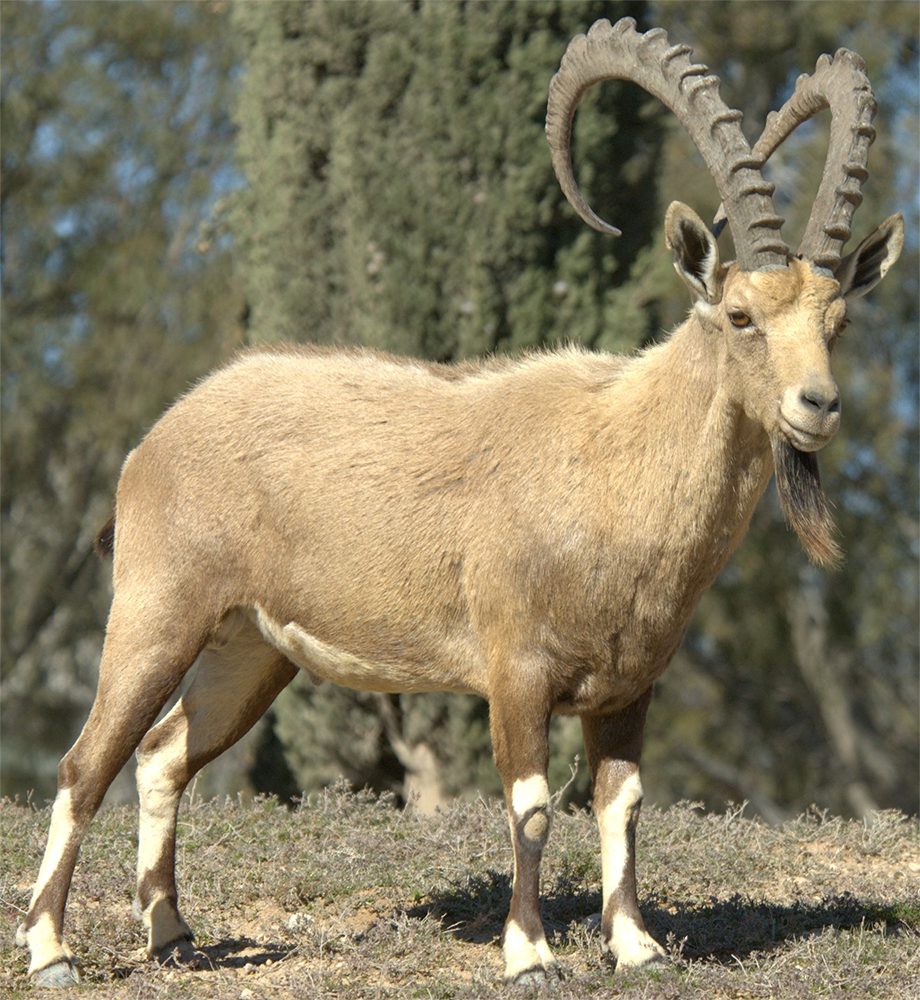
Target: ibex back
pixel 536 532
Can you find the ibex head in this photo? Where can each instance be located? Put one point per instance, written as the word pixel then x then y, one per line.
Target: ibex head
pixel 773 317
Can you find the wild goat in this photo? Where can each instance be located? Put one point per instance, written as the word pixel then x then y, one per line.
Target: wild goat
pixel 536 532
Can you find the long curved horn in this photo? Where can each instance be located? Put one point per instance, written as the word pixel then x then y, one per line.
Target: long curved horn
pixel 839 83
pixel 619 52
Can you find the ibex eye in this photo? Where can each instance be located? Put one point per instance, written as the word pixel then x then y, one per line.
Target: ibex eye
pixel 739 319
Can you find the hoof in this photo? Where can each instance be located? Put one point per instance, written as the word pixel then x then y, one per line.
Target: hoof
pixel 656 960
pixel 58 975
pixel 537 975
pixel 182 953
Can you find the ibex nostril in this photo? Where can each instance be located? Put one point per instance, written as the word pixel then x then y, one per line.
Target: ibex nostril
pixel 822 401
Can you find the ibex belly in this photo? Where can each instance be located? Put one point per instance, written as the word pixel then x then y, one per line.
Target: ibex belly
pixel 324 661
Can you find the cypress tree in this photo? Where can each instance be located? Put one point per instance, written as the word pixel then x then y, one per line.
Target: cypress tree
pixel 401 192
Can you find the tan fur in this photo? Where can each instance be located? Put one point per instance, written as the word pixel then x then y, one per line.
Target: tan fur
pixel 534 531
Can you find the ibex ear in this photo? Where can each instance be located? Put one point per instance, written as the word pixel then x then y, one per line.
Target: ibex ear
pixel 696 255
pixel 860 271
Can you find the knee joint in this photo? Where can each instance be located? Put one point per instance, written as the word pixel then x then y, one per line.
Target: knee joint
pixel 625 801
pixel 532 809
pixel 536 825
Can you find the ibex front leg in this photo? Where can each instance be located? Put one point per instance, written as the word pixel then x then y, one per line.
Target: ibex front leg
pixel 520 729
pixel 613 744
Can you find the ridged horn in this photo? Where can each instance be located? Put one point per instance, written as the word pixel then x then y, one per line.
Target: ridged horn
pixel 619 52
pixel 840 84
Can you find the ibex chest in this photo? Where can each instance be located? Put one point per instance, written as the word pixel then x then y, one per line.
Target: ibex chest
pixel 604 629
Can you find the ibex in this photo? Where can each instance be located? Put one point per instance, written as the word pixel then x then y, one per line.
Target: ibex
pixel 533 531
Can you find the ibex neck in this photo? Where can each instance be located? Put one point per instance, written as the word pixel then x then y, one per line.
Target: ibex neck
pixel 704 462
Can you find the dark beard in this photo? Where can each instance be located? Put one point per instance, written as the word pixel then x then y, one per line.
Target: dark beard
pixel 798 483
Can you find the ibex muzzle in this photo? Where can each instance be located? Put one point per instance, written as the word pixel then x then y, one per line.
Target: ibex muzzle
pixel 536 532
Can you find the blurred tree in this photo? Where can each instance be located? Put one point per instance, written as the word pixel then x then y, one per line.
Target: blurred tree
pixel 400 192
pixel 116 143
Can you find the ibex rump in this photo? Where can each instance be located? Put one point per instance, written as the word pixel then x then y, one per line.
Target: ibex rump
pixel 536 532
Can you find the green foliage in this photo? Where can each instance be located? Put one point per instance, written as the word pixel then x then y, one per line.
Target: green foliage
pixel 327 733
pixel 401 193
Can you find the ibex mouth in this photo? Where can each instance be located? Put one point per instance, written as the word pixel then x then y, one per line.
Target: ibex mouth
pixel 798 483
pixel 809 415
pixel 806 439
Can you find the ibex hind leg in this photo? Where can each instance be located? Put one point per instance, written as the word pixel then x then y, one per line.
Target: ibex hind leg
pixel 233 686
pixel 135 680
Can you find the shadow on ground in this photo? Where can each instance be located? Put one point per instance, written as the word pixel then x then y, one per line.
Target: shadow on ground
pixel 236 952
pixel 722 930
pixel 719 930
pixel 232 953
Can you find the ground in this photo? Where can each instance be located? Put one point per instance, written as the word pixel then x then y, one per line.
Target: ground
pixel 349 896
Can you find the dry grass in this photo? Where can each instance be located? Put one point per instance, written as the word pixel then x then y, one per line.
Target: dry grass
pixel 347 896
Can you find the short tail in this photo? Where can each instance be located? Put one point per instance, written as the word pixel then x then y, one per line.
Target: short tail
pixel 105 540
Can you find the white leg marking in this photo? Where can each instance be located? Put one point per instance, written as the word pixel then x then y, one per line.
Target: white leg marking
pixel 531 809
pixel 631 944
pixel 612 824
pixel 521 954
pixel 45 947
pixel 44 943
pixel 59 832
pixel 159 802
pixel 531 795
pixel 164 925
pixel 158 808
